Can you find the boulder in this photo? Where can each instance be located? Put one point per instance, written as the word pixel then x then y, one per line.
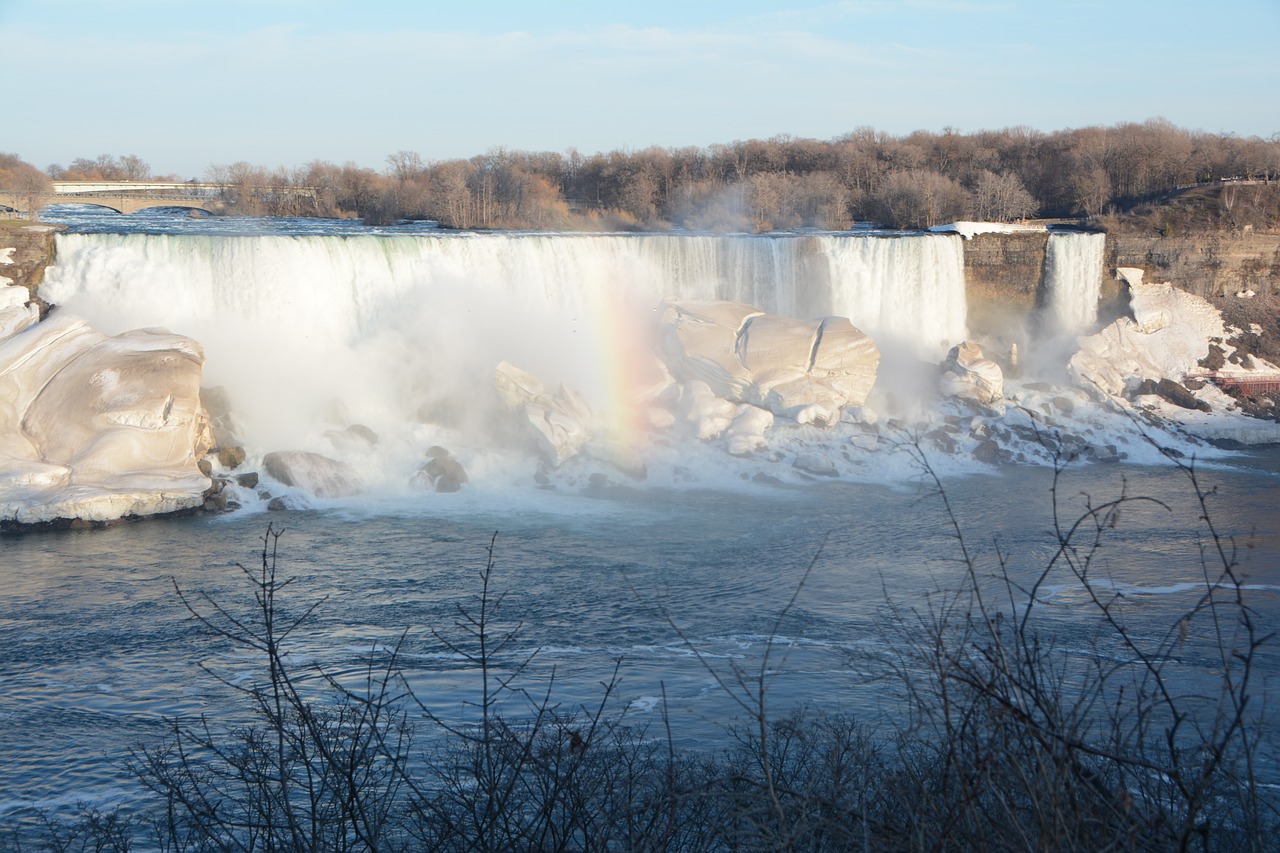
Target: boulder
pixel 967 374
pixel 363 433
pixel 356 438
pixel 318 475
pixel 231 456
pixel 440 473
pixel 1174 393
pixel 96 427
pixel 816 464
pixel 746 433
pixel 287 503
pixel 806 370
pixel 558 423
pixel 989 452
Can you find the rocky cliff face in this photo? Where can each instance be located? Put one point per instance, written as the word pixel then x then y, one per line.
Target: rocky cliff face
pixel 1208 265
pixel 1004 272
pixel 25 251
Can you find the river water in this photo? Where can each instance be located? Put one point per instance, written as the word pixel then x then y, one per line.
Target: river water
pixel 97 651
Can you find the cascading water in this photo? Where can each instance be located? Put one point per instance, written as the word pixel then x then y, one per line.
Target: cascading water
pixel 407 330
pixel 1073 270
pixel 902 289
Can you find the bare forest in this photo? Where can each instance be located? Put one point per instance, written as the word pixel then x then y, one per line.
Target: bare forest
pixel 1118 175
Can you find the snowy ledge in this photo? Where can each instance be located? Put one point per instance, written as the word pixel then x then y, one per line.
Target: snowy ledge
pixel 969 229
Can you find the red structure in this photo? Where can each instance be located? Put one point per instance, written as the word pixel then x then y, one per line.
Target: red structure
pixel 1249 385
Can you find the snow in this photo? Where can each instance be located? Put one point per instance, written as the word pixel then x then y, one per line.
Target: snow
pixel 96 427
pixel 1169 333
pixel 968 229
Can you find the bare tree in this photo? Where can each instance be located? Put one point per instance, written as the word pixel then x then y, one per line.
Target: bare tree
pixel 25 180
pixel 1002 198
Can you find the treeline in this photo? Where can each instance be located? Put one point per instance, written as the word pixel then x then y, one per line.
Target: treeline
pixel 917 180
pixel 911 181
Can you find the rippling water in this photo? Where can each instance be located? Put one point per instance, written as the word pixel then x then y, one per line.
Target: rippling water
pixel 96 650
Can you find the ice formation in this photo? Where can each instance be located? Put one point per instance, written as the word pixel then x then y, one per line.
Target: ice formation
pixel 95 427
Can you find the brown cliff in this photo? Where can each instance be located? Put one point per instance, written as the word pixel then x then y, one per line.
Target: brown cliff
pixel 1004 275
pixel 33 252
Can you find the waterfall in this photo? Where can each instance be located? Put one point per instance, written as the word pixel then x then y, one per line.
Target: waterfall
pixel 902 289
pixel 401 328
pixel 1073 277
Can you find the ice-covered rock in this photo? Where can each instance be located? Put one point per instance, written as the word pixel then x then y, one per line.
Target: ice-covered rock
pixel 1167 336
pixel 807 370
pixel 16 311
pixel 318 475
pixel 95 427
pixel 559 423
pixel 746 432
pixel 966 373
pixel 700 342
pixel 707 414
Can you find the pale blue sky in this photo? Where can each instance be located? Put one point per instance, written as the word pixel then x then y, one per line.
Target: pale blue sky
pixel 187 83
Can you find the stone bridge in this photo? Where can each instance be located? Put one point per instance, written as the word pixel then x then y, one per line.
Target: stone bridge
pixel 132 196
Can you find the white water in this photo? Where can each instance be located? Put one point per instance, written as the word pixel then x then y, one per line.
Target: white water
pixel 407 329
pixel 1073 266
pixel 904 290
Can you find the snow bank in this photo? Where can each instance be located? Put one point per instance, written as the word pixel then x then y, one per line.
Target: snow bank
pixel 969 229
pixel 1166 338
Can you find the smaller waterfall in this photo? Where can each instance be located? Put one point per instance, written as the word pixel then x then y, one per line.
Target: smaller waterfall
pixel 1073 279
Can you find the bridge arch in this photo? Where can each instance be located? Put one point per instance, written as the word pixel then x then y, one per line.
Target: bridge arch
pixel 79 203
pixel 126 206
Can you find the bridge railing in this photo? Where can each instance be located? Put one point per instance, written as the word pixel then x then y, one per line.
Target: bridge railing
pixel 187 189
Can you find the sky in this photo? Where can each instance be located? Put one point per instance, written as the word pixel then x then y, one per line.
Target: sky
pixel 186 84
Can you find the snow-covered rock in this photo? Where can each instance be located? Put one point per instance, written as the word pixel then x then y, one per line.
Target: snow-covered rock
pixel 966 373
pixel 95 427
pixel 746 433
pixel 16 311
pixel 806 370
pixel 559 423
pixel 1167 336
pixel 707 414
